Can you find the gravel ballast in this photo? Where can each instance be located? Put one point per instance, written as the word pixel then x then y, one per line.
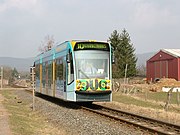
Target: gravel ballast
pixel 75 120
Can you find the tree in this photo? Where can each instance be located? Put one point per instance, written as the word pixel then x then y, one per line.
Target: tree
pixel 124 54
pixel 15 73
pixel 141 70
pixel 114 40
pixel 47 44
pixel 7 71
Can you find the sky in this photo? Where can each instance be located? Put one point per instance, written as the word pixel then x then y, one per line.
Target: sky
pixel 24 24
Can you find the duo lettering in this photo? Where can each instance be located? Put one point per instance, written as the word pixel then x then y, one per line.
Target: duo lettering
pixel 92 84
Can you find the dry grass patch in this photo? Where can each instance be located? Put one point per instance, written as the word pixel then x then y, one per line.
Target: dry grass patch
pixel 150 108
pixel 159 114
pixel 23 121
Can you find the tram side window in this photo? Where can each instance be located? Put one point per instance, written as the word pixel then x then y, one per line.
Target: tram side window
pixel 44 74
pixel 49 73
pixel 59 69
pixel 37 68
pixel 70 69
pixel 46 70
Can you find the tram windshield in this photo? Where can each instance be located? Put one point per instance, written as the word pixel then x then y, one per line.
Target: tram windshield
pixel 92 64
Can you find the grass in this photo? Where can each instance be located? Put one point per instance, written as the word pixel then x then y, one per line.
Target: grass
pixel 154 100
pixel 162 97
pixel 130 100
pixel 152 107
pixel 21 115
pixel 24 121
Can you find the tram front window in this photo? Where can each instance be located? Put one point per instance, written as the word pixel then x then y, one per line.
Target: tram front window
pixel 93 66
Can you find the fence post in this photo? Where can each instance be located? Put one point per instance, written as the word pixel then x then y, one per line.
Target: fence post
pixel 177 97
pixel 1 78
pixel 168 99
pixel 125 81
pixel 146 94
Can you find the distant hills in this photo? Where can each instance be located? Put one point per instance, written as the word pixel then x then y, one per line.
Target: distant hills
pixel 23 64
pixel 142 58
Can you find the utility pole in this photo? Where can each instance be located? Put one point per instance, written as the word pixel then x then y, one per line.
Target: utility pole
pixel 125 81
pixel 1 77
pixel 32 73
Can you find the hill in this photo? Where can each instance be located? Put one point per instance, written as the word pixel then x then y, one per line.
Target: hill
pixel 21 64
pixel 142 58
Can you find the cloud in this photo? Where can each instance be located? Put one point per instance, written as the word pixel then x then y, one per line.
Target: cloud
pixel 149 14
pixel 24 23
pixel 18 4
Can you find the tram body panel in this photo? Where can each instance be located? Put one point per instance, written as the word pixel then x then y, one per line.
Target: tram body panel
pixel 61 73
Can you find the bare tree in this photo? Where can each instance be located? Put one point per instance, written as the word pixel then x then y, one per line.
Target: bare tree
pixel 47 44
pixel 141 70
pixel 7 71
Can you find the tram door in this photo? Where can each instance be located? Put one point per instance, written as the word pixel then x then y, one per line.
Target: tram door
pixel 70 77
pixel 61 77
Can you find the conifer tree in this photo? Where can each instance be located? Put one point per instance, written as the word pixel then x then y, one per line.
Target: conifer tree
pixel 114 40
pixel 124 54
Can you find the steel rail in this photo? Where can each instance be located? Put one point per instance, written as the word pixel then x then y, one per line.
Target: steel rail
pixel 146 123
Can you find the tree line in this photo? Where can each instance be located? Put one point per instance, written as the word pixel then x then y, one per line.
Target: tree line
pixel 10 74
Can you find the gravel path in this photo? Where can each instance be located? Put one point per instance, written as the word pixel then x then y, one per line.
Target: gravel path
pixel 77 121
pixel 4 125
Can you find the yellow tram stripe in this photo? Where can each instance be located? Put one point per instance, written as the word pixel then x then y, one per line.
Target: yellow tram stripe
pixel 73 43
pixel 40 78
pixel 54 67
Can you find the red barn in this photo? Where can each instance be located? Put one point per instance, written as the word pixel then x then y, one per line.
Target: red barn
pixel 164 64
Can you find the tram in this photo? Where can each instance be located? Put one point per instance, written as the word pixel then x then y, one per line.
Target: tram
pixel 79 71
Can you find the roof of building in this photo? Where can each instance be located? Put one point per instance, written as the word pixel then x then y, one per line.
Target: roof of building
pixel 173 52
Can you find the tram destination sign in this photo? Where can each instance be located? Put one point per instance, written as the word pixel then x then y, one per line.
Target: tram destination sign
pixel 91 46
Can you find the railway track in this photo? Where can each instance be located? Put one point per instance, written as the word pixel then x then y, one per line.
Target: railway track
pixel 145 123
pixel 17 85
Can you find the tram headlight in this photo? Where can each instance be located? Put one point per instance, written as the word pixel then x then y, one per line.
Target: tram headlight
pixel 82 85
pixel 78 84
pixel 104 84
pixel 108 84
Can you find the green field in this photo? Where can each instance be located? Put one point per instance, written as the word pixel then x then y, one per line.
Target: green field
pixel 155 100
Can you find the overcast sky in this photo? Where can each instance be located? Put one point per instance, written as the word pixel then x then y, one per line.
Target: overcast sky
pixel 152 24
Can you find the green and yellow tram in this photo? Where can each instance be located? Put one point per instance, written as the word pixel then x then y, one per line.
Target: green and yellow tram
pixel 79 71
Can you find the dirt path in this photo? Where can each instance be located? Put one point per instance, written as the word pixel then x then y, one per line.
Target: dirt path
pixel 4 125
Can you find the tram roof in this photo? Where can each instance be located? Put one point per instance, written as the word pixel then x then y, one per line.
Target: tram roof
pixel 73 42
